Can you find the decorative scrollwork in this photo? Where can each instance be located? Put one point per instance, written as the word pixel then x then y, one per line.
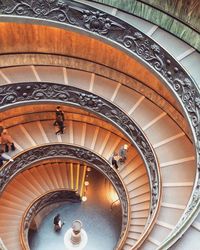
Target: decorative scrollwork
pixel 89 19
pixel 56 9
pixel 142 47
pixel 62 11
pixel 25 93
pixel 99 22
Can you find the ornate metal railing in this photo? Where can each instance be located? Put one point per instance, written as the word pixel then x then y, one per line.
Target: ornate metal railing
pixel 21 60
pixel 111 29
pixel 162 16
pixel 35 155
pixel 40 203
pixel 22 93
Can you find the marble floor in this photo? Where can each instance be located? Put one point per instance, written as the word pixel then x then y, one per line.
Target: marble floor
pixel 102 224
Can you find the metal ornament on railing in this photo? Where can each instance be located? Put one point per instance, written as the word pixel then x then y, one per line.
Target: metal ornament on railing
pixel 22 93
pixel 100 24
pixel 103 24
pixel 33 156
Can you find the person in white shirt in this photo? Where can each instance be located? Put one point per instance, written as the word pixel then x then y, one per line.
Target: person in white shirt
pixel 4 157
pixel 123 153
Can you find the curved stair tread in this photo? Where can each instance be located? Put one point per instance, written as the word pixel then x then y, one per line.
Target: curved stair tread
pixel 56 75
pixel 13 210
pixel 102 138
pixel 148 116
pixel 101 142
pixel 190 240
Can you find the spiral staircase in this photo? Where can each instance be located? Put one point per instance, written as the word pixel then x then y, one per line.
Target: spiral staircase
pixel 138 93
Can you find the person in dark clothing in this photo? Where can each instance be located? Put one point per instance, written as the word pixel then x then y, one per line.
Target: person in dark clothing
pixel 1 129
pixel 57 223
pixel 2 159
pixel 59 113
pixel 114 160
pixel 60 123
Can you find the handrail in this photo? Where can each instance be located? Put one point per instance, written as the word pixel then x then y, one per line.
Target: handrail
pixel 38 154
pixel 182 24
pixel 129 39
pixel 90 66
pixel 23 93
pixel 44 200
pixel 37 91
pixel 112 204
